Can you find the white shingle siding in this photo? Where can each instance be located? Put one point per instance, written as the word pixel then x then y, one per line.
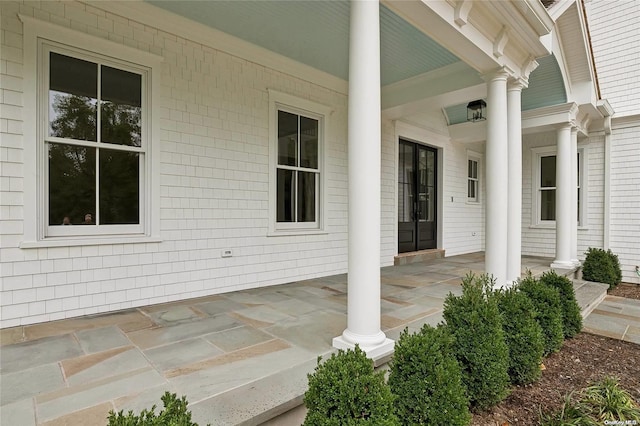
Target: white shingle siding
pixel 625 198
pixel 214 165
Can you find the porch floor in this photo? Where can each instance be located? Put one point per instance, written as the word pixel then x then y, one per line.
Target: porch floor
pixel 235 356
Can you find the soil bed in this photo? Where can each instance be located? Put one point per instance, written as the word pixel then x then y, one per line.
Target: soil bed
pixel 582 360
pixel 631 291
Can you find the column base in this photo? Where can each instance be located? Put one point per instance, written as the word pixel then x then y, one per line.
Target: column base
pixel 374 351
pixel 576 263
pixel 562 264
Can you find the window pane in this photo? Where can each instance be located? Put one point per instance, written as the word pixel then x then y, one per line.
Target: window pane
pixel 119 187
pixel 285 196
pixel 548 204
pixel 121 107
pixel 548 171
pixel 306 197
pixel 471 191
pixel 287 139
pixel 73 93
pixel 308 143
pixel 72 184
pixel 473 169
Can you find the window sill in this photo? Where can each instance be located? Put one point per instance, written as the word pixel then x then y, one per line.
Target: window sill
pixel 553 226
pixel 295 232
pixel 89 241
pixel 473 203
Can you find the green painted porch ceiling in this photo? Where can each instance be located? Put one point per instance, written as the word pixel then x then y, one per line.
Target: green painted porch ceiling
pixel 316 33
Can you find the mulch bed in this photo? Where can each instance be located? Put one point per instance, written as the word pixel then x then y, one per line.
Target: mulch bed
pixel 628 290
pixel 582 360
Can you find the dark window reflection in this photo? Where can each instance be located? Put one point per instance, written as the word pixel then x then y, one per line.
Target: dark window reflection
pixel 73 93
pixel 285 196
pixel 121 107
pixel 287 139
pixel 308 143
pixel 72 184
pixel 119 187
pixel 306 197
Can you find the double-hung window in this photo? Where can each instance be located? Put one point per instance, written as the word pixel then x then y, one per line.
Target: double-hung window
pixel 297 161
pixel 95 144
pixel 544 178
pixel 473 181
pixel 89 144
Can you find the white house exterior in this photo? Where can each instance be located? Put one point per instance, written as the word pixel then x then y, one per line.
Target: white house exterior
pixel 256 159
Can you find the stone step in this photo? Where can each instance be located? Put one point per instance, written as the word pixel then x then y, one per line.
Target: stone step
pixel 589 295
pixel 418 256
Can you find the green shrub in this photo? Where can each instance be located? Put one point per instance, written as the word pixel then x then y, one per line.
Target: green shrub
pixel 571 316
pixel 523 335
pixel 602 266
pixel 546 300
pixel 174 414
pixel 475 323
pixel 426 380
pixel 345 390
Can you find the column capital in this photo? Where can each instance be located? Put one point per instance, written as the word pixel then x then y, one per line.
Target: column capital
pixel 502 73
pixel 517 83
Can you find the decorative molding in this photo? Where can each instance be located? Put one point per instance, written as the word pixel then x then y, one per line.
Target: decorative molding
pixel 461 12
pixel 500 42
pixel 528 67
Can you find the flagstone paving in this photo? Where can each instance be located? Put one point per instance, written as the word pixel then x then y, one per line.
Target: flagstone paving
pixel 235 356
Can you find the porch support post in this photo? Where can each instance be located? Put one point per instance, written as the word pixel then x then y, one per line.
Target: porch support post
pixel 564 212
pixel 574 197
pixel 514 210
pixel 364 145
pixel 497 176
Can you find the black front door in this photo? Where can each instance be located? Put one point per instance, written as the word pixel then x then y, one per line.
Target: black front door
pixel 417 172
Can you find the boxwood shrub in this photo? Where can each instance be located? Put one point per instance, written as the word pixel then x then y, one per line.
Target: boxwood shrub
pixel 523 335
pixel 175 413
pixel 345 390
pixel 546 300
pixel 602 267
pixel 479 346
pixel 426 380
pixel 571 316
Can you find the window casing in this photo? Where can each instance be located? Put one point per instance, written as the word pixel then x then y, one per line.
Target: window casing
pixel 88 149
pixel 94 138
pixel 473 180
pixel 544 181
pixel 298 129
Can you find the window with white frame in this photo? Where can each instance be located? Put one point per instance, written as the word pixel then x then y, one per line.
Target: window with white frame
pixel 94 143
pixel 473 179
pixel 544 176
pixel 297 159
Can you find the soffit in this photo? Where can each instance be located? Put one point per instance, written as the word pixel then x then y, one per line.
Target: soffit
pixel 316 33
pixel 573 45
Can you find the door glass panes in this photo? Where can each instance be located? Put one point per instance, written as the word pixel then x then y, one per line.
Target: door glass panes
pixel 431 190
pixel 73 95
pixel 405 183
pixel 285 195
pixel 306 197
pixel 422 185
pixel 119 187
pixel 72 184
pixel 120 107
pixel 287 139
pixel 308 143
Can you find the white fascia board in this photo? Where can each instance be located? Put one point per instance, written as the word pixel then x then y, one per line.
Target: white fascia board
pixel 161 19
pixel 468 132
pixel 548 118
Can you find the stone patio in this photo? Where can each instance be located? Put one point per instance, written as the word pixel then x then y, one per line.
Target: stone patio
pixel 240 358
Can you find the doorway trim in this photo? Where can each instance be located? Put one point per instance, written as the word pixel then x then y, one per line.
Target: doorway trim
pixel 429 138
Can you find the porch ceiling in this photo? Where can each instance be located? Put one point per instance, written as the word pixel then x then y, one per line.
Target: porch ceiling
pixel 316 33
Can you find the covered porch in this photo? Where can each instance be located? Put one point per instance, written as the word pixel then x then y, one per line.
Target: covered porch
pixel 240 357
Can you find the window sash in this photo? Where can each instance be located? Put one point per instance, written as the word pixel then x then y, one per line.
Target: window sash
pixel 540 188
pixel 46 140
pixel 473 180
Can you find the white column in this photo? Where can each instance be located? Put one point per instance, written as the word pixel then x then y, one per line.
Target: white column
pixel 514 211
pixel 564 213
pixel 497 176
pixel 364 137
pixel 574 197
